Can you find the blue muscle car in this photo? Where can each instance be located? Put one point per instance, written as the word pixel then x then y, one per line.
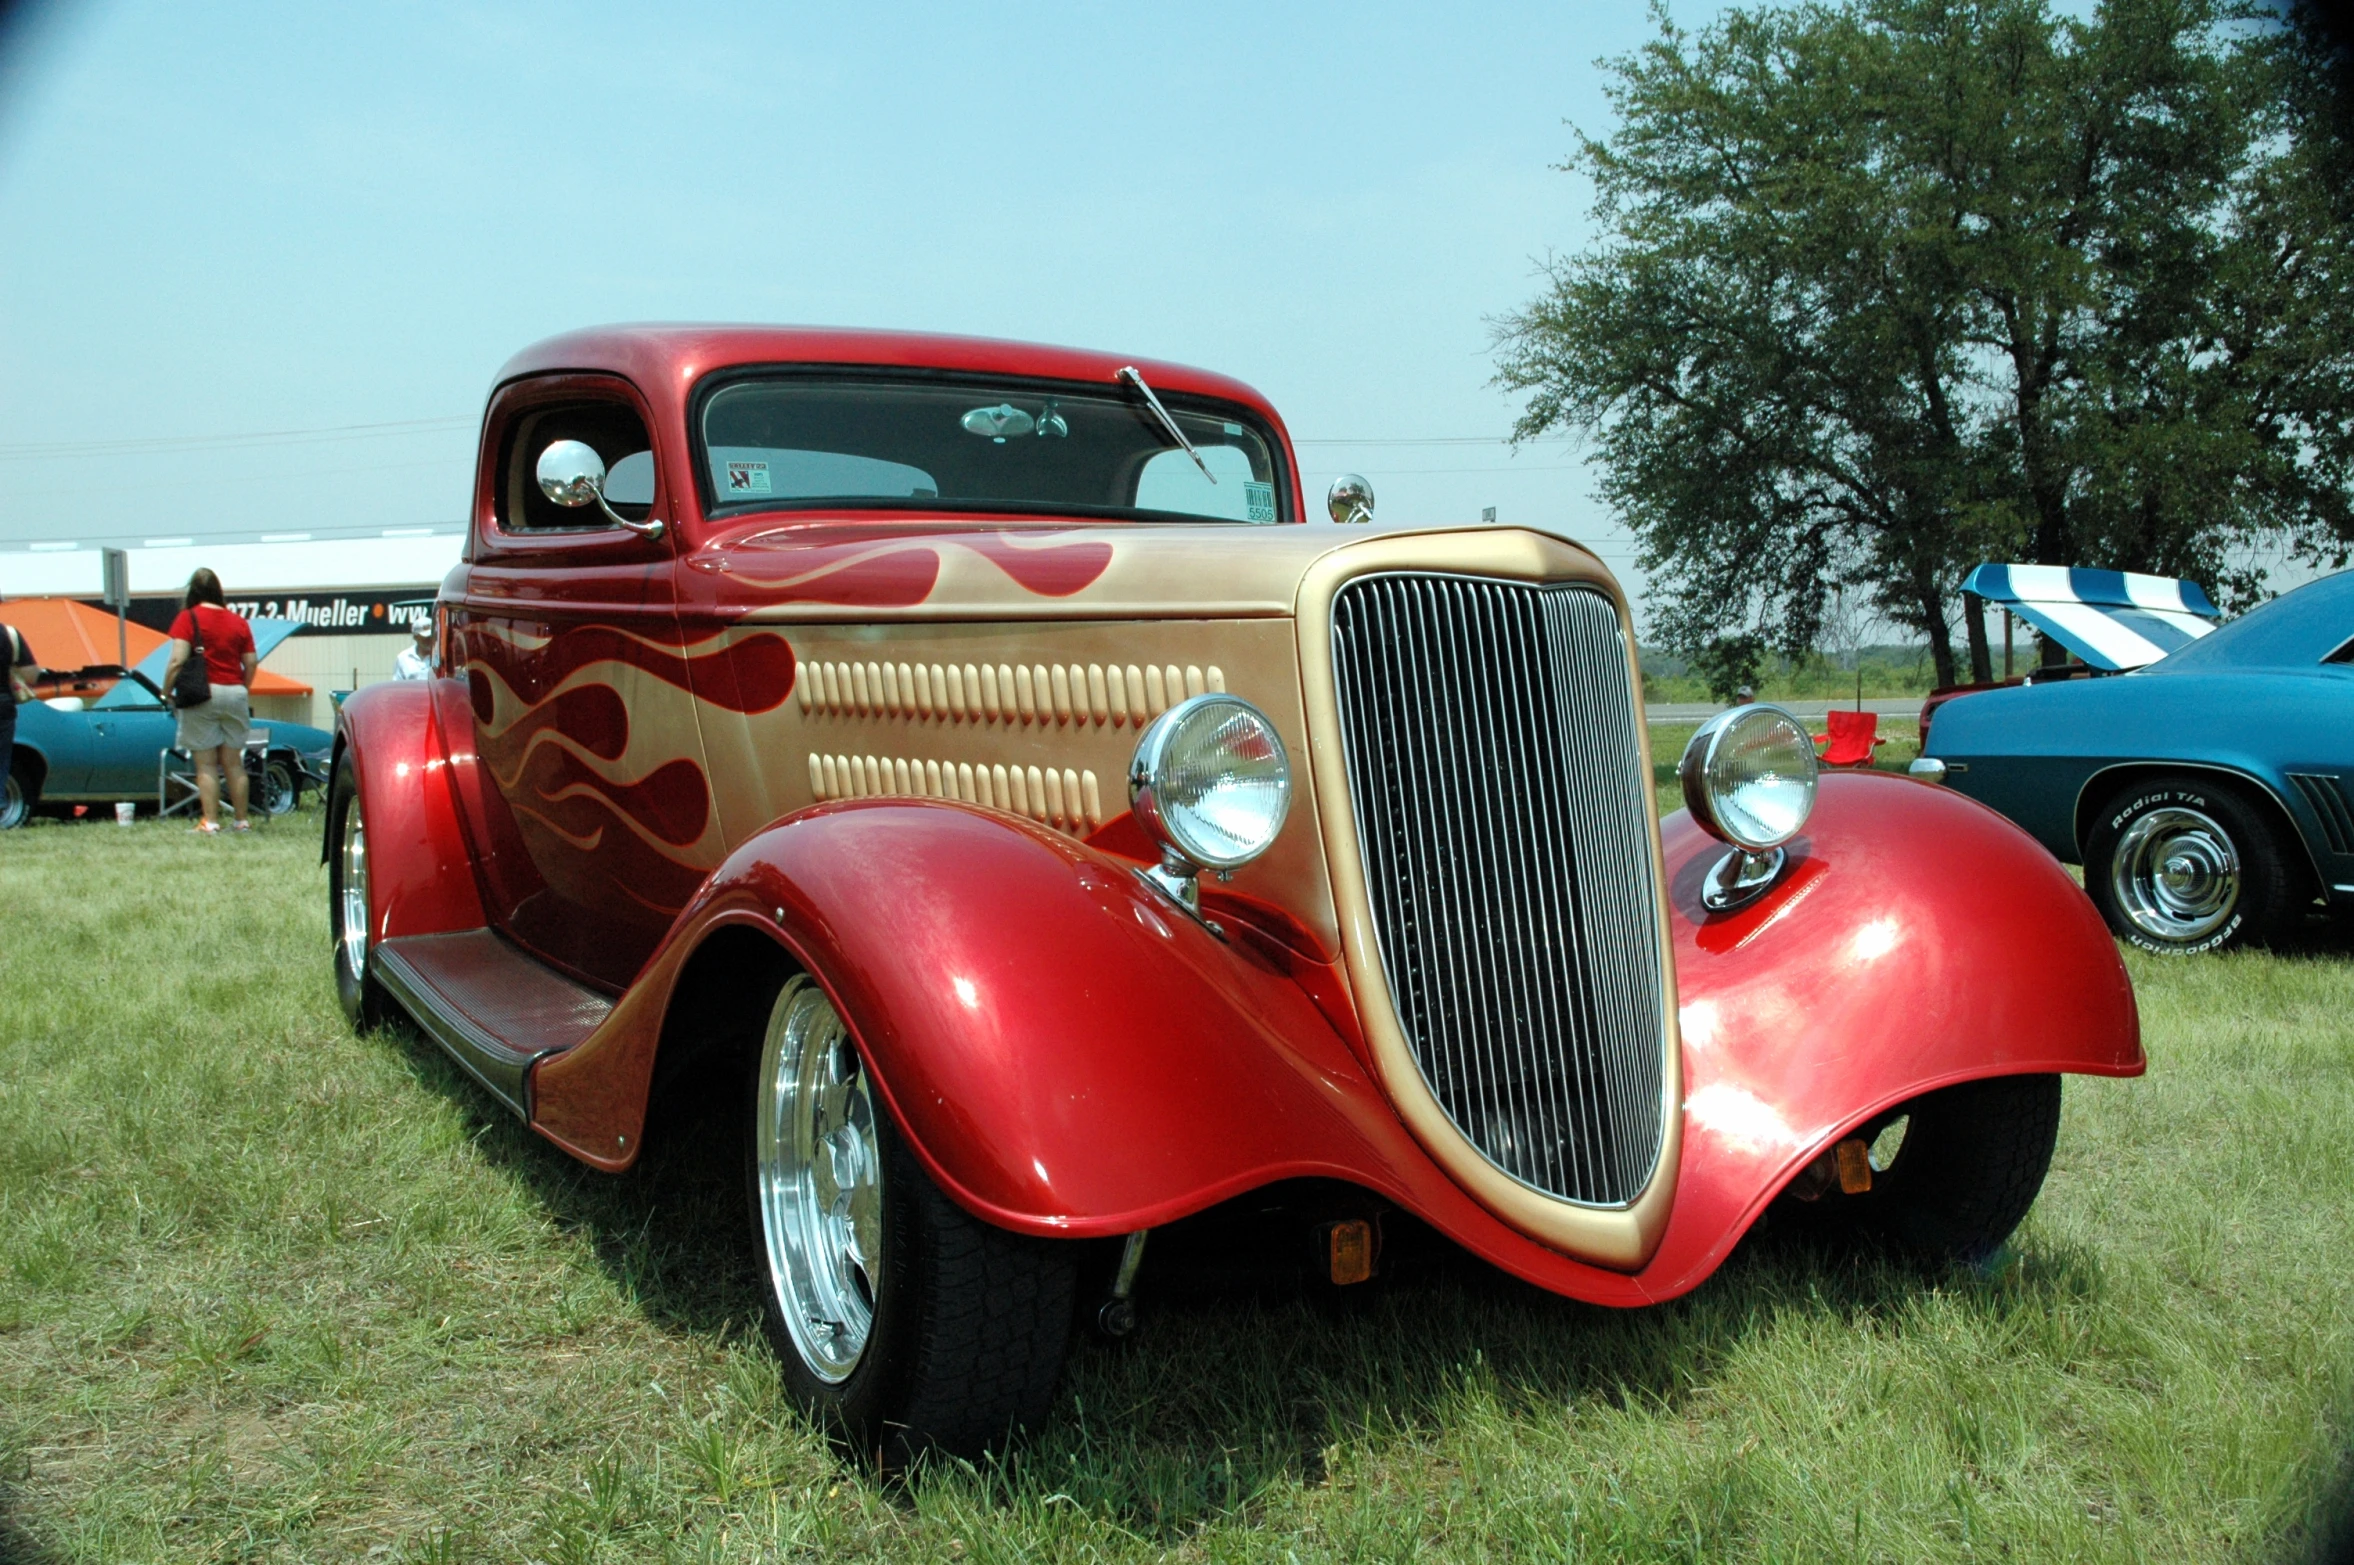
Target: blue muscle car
pixel 111 750
pixel 2209 795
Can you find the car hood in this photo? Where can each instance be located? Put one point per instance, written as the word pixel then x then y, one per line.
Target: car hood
pixel 839 571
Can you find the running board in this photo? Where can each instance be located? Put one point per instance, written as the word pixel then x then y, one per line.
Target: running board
pixel 492 1008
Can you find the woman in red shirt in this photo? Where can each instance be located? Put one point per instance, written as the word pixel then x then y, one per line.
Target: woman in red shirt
pixel 214 733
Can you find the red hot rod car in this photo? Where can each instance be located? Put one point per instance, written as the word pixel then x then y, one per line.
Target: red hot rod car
pixel 1055 832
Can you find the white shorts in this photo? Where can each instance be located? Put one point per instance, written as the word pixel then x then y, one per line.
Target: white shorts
pixel 223 720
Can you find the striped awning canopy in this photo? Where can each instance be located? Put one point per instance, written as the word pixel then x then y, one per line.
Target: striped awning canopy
pixel 2111 619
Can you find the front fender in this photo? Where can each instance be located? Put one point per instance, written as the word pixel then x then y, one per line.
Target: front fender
pixel 1917 940
pixel 1068 1052
pixel 420 878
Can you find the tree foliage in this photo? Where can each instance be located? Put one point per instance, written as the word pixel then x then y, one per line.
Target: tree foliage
pixel 1888 288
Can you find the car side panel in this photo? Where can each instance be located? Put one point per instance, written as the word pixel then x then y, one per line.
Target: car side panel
pixel 64 743
pixel 1071 1055
pixel 2038 754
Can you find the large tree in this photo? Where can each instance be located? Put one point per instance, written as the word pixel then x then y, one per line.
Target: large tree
pixel 1888 288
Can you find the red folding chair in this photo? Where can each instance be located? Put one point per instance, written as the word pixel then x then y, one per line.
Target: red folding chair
pixel 1852 738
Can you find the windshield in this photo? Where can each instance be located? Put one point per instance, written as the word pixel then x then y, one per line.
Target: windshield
pixel 2309 625
pixel 802 441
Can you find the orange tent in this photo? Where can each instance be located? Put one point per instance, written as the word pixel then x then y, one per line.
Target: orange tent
pixel 67 635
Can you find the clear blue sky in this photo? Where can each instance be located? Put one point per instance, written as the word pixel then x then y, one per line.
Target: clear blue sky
pixel 216 221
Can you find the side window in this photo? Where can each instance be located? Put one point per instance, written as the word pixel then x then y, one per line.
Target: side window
pixel 612 429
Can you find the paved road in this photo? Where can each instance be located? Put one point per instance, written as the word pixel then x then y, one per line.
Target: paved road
pixel 1812 711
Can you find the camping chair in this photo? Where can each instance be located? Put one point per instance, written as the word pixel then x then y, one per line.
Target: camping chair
pixel 175 777
pixel 1851 740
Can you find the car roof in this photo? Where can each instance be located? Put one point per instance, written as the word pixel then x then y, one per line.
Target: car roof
pixel 2298 629
pixel 666 359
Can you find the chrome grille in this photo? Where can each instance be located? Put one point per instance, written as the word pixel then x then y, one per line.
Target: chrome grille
pixel 1498 781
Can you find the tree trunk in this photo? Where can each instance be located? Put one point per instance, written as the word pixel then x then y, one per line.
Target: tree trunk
pixel 1981 656
pixel 1932 610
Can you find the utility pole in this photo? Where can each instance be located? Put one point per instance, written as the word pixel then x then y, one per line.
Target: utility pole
pixel 118 598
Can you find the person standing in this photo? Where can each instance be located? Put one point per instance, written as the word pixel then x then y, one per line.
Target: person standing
pixel 416 659
pixel 22 671
pixel 213 733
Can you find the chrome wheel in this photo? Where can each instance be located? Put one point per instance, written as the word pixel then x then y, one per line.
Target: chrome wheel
pixel 818 1181
pixel 15 810
pixel 352 888
pixel 2176 874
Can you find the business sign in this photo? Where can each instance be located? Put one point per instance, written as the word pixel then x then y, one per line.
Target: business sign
pixel 383 611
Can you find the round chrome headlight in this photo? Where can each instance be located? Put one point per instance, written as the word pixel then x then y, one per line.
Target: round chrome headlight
pixel 1749 777
pixel 1211 781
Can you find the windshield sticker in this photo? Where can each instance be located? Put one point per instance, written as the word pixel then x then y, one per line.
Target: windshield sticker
pixel 747 478
pixel 1258 501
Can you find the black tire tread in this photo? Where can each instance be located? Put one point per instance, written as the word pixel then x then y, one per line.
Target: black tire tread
pixel 1973 1161
pixel 996 1325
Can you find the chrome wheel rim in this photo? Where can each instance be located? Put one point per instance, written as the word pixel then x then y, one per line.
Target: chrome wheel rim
pixel 2176 874
pixel 820 1176
pixel 352 888
pixel 12 804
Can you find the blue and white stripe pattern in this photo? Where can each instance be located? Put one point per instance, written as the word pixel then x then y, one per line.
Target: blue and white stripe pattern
pixel 2111 619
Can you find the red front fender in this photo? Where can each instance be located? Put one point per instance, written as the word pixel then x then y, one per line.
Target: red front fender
pixel 1067 1051
pixel 1070 1054
pixel 420 875
pixel 1916 940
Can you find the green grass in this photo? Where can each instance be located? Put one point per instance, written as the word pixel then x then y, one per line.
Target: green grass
pixel 270 1291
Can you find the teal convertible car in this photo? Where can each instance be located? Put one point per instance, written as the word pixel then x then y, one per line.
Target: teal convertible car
pixel 2209 795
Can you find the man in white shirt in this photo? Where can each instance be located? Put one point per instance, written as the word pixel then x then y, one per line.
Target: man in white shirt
pixel 416 659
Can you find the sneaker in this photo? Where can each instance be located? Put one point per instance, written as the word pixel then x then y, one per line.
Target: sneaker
pixel 205 829
pixel 241 826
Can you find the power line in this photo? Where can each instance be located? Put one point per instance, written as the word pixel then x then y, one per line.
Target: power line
pixel 53 450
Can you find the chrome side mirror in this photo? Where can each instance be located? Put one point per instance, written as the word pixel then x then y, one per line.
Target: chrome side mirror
pixel 1350 500
pixel 572 474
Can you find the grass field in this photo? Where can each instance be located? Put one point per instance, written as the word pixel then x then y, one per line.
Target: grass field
pixel 272 1291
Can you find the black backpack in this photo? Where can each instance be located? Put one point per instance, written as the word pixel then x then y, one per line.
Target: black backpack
pixel 192 685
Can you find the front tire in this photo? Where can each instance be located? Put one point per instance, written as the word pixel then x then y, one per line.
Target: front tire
pixel 903 1323
pixel 2181 865
pixel 350 921
pixel 1954 1172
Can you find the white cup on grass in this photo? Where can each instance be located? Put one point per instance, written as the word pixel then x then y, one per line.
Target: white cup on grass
pixel 125 812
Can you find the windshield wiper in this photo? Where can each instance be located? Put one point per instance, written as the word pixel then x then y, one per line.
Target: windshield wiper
pixel 1134 377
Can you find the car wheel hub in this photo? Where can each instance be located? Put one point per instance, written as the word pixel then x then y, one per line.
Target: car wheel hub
pixel 820 1182
pixel 2176 874
pixel 354 889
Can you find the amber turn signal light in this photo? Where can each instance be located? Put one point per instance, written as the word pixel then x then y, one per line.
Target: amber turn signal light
pixel 1855 1166
pixel 1349 1251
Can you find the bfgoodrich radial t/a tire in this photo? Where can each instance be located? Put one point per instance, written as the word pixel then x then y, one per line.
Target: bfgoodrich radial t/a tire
pixel 348 917
pixel 2183 864
pixel 903 1323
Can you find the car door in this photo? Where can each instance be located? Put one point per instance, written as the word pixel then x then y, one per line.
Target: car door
pixel 588 808
pixel 129 728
